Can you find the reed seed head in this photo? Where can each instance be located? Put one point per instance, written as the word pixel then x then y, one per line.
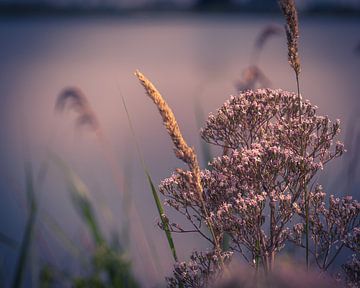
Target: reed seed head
pixel 73 98
pixel 267 33
pixel 182 149
pixel 292 32
pixel 252 78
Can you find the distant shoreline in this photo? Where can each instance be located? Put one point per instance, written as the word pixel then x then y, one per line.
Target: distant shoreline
pixel 39 10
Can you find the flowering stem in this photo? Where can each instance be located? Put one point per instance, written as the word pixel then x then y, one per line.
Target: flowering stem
pixel 307 227
pixel 257 255
pixel 272 230
pixel 298 92
pixel 305 188
pixel 336 254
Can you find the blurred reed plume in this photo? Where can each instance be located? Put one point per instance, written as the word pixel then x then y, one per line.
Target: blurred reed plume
pixel 268 32
pixel 252 78
pixel 292 33
pixel 74 99
pixel 182 149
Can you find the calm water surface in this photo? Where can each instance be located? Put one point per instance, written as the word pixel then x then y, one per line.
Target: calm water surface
pixel 191 60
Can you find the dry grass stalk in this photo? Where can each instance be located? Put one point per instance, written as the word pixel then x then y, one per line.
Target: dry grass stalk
pixel 292 33
pixel 182 150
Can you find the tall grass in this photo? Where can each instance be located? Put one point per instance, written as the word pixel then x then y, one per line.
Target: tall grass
pixel 159 206
pixel 182 151
pixel 292 34
pixel 106 259
pixel 29 227
pixel 74 99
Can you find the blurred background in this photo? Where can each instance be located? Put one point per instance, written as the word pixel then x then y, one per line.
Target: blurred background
pixel 197 53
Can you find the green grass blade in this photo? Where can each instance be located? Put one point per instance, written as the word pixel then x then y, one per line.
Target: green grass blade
pixel 162 216
pixel 126 208
pixel 105 259
pixel 29 228
pixel 81 200
pixel 154 192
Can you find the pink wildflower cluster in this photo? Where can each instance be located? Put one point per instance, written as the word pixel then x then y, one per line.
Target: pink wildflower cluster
pixel 334 227
pixel 255 191
pixel 202 270
pixel 352 272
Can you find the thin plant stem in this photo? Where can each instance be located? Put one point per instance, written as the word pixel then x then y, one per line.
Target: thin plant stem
pixel 306 228
pixel 289 10
pixel 298 92
pixel 152 186
pixel 304 187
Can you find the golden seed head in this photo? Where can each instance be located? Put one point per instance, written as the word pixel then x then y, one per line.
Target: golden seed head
pixel 182 149
pixel 292 32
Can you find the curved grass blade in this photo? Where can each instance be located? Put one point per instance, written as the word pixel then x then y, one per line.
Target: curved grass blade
pixel 105 259
pixel 154 192
pixel 81 200
pixel 164 221
pixel 29 228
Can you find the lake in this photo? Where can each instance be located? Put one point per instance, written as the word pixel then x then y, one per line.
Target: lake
pixel 194 61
